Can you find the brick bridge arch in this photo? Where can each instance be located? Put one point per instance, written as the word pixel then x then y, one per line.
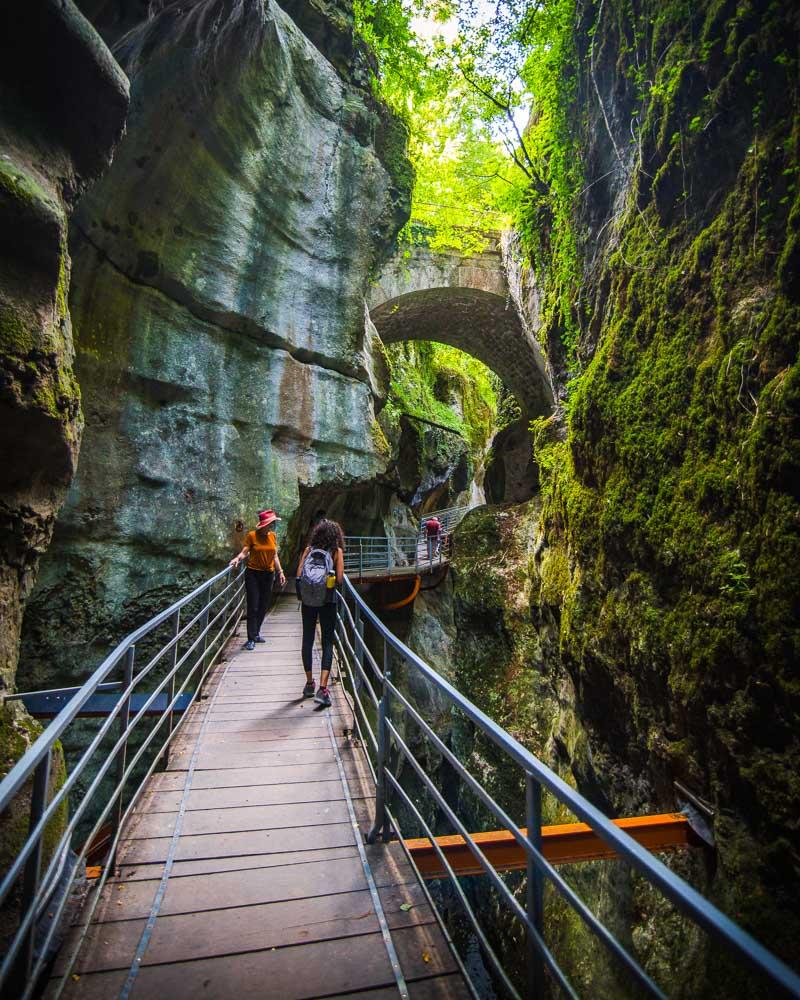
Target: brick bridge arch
pixel 462 301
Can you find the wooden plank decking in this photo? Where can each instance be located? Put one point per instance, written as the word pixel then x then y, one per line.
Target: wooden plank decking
pixel 239 874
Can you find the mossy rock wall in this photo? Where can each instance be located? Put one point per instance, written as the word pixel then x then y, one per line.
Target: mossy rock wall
pixel 672 524
pixel 222 350
pixel 18 731
pixel 492 629
pixel 63 101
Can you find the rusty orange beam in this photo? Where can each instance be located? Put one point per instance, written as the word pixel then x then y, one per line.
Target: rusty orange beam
pixel 395 605
pixel 564 844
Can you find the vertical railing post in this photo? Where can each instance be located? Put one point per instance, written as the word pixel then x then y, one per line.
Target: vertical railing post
pixel 32 870
pixel 535 887
pixel 122 753
pixel 204 629
pixel 176 627
pixel 384 708
pixel 359 642
pixel 234 574
pixel 361 559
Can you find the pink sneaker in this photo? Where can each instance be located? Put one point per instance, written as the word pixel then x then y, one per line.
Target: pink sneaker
pixel 322 697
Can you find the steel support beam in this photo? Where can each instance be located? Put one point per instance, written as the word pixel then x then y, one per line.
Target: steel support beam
pixel 564 844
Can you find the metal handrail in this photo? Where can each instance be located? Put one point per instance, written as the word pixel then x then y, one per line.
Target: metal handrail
pixel 365 553
pixel 378 553
pixel 223 601
pixel 384 736
pixel 449 517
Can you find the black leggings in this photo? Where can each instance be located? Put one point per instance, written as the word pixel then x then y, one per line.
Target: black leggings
pixel 258 584
pixel 327 624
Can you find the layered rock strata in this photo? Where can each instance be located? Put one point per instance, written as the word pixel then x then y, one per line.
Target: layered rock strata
pixel 220 272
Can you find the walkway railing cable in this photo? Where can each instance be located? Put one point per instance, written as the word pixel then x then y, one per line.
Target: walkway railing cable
pixel 382 714
pixel 378 725
pixel 177 666
pixel 366 555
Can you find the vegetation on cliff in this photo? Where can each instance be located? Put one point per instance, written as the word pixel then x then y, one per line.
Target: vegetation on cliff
pixel 463 177
pixel 655 190
pixel 673 500
pixel 445 386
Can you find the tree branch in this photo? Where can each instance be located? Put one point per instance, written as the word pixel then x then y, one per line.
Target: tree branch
pixel 530 171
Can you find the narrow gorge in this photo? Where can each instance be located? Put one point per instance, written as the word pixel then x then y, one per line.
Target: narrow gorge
pixel 535 262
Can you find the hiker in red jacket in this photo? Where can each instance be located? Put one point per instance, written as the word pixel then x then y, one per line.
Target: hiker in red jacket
pixel 433 529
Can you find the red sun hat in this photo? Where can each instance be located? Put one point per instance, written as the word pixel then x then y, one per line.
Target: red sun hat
pixel 265 518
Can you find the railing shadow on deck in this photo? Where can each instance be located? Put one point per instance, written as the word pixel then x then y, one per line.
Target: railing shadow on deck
pixel 381 710
pixel 179 646
pixel 197 628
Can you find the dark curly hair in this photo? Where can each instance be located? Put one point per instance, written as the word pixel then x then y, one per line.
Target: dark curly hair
pixel 327 535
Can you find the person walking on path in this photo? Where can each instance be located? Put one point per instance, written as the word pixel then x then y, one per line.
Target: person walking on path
pixel 319 572
pixel 433 528
pixel 261 550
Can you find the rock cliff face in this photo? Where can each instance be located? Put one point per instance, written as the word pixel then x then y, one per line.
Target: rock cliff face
pixel 220 272
pixel 63 100
pixel 670 490
pixel 638 624
pixel 493 630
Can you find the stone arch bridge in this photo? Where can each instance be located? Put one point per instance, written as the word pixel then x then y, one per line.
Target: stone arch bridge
pixel 462 301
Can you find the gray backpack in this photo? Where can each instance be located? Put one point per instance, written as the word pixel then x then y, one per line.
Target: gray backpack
pixel 313 582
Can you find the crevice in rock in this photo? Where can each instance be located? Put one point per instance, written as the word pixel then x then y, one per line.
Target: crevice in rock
pixel 228 322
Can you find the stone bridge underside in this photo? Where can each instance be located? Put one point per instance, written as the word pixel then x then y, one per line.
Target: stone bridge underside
pixel 463 302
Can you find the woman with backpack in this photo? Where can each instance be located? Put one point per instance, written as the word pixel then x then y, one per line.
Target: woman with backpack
pixel 261 550
pixel 320 570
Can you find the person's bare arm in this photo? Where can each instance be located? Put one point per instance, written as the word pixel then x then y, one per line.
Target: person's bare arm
pixel 281 574
pixel 237 559
pixel 339 563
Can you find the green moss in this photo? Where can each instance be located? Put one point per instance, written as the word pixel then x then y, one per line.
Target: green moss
pixel 675 493
pixel 62 287
pixel 17 185
pixel 391 145
pixel 379 441
pixel 16 338
pixel 555 577
pixel 18 731
pixel 446 386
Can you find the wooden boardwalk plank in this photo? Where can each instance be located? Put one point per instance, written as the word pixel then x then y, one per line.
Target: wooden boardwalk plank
pixel 247 795
pixel 245 776
pixel 244 818
pixel 245 862
pixel 187 936
pixel 267 894
pixel 236 888
pixel 230 844
pixel 437 988
pixel 300 972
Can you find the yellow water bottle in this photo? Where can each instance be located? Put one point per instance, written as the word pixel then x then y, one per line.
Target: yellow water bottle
pixel 331 581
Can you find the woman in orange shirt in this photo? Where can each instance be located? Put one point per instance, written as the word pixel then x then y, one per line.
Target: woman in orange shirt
pixel 261 549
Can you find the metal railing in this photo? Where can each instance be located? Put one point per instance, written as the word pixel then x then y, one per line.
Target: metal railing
pixel 197 628
pixel 365 554
pixel 370 554
pixel 449 518
pixel 380 708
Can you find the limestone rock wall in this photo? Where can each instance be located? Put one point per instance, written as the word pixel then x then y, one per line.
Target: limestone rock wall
pixel 671 503
pixel 63 101
pixel 220 273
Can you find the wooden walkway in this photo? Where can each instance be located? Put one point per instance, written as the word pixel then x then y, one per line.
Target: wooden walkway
pixel 240 874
